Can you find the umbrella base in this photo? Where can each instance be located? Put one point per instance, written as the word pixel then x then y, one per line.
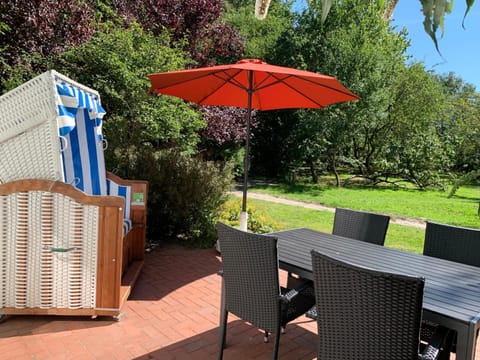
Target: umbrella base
pixel 243 220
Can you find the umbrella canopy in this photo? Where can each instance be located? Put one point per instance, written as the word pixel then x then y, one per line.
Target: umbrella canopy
pixel 252 84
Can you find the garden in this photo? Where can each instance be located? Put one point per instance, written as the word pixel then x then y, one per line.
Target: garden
pixel 410 147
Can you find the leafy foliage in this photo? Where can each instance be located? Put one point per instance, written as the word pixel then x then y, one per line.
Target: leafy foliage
pixel 406 125
pixel 99 44
pixel 116 63
pixel 44 28
pixel 414 150
pixel 460 126
pixel 186 196
pixel 260 36
pixel 208 40
pixel 433 10
pixel 358 47
pixel 226 124
pixel 259 221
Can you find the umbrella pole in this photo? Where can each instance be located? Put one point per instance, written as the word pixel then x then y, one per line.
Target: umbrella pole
pixel 244 214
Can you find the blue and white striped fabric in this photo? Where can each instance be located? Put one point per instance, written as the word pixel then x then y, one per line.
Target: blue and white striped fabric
pixel 83 159
pixel 69 100
pixel 80 123
pixel 124 191
pixel 67 104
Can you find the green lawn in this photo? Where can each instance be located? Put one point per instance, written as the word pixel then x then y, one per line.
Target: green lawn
pixel 433 205
pixel 287 217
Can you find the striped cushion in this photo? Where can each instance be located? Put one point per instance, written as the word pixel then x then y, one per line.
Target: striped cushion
pixel 127 226
pixel 83 159
pixel 80 124
pixel 124 191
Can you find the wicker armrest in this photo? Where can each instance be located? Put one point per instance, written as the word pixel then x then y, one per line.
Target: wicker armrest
pixel 440 341
pixel 305 288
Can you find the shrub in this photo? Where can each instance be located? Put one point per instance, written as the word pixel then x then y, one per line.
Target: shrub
pixel 185 196
pixel 258 220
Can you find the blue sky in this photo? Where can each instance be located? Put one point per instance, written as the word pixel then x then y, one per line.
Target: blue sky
pixel 460 48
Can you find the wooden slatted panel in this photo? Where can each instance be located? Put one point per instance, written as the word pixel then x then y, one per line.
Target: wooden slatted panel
pixel 109 258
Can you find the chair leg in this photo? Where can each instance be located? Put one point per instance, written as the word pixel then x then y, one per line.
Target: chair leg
pixel 277 343
pixel 223 332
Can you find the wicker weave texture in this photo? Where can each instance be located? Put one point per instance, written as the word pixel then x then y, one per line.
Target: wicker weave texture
pixel 27 106
pixel 361 225
pixel 365 314
pixel 452 243
pixel 250 275
pixel 32 154
pixel 53 240
pixel 29 142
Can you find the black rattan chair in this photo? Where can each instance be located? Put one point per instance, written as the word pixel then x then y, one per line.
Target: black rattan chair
pixel 250 286
pixel 367 314
pixel 452 243
pixel 360 225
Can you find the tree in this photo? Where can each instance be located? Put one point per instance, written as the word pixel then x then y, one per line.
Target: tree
pixel 355 45
pixel 47 27
pixel 260 36
pixel 413 151
pixel 116 64
pixel 433 10
pixel 208 40
pixel 460 127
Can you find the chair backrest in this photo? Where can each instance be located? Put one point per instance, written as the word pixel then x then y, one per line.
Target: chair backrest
pixel 80 110
pixel 452 243
pixel 360 225
pixel 250 276
pixel 50 128
pixel 365 314
pixel 29 143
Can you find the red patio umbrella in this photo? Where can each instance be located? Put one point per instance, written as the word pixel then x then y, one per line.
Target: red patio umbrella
pixel 251 84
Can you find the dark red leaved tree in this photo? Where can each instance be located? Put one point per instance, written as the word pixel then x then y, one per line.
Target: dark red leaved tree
pixel 43 27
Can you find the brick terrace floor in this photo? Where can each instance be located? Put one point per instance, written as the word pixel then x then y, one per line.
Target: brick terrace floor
pixel 172 313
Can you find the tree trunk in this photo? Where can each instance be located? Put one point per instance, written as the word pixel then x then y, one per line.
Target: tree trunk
pixel 333 163
pixel 387 15
pixel 313 172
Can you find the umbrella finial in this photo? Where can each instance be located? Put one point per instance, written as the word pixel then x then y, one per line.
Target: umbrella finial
pixel 251 61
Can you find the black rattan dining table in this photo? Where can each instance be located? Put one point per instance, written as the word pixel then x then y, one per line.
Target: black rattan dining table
pixel 452 290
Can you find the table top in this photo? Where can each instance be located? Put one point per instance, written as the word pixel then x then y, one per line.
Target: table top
pixel 451 289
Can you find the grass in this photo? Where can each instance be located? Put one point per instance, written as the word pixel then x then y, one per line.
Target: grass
pixel 461 209
pixel 401 237
pixel 433 205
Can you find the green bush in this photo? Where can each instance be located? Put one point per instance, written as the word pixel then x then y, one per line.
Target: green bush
pixel 258 220
pixel 185 196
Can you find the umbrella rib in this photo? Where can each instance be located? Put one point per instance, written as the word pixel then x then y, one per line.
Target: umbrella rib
pixel 278 80
pixel 229 79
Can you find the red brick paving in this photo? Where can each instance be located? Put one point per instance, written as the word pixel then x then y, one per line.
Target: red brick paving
pixel 172 313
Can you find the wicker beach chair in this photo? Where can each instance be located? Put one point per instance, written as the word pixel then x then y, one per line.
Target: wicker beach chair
pixel 250 284
pixel 68 229
pixel 367 314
